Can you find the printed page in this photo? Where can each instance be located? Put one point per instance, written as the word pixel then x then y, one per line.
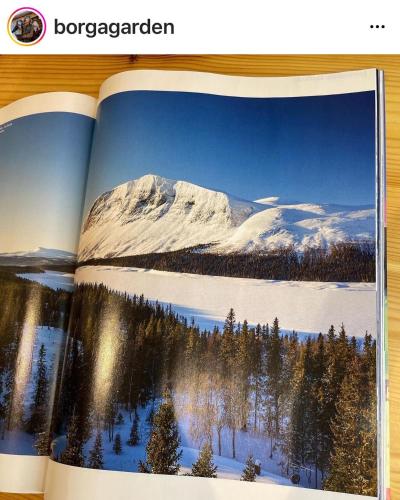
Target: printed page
pixel 223 336
pixel 45 142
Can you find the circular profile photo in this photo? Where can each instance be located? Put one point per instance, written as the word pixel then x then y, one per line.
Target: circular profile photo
pixel 26 26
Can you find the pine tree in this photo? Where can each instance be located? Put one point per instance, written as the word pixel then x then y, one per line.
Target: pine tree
pixel 120 419
pixel 228 340
pixel 204 466
pixel 143 467
pixel 96 453
pixel 110 414
pixel 162 448
pixel 117 447
pixel 274 377
pixel 244 368
pixel 134 435
pixel 249 472
pixel 301 419
pixel 231 395
pixel 73 453
pixel 344 475
pixel 150 417
pixel 37 421
pixel 42 443
pixel 367 465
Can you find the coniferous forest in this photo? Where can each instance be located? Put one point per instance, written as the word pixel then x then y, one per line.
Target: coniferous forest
pixel 29 312
pixel 309 401
pixel 345 262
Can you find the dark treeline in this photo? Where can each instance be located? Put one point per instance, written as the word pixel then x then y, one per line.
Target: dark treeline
pixel 32 268
pixel 312 402
pixel 351 261
pixel 19 265
pixel 25 305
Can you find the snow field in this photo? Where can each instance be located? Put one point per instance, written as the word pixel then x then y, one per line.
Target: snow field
pixel 304 306
pixel 52 279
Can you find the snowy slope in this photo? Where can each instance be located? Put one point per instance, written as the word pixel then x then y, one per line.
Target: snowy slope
pixel 154 214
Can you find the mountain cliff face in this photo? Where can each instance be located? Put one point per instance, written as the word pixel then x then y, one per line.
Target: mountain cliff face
pixel 154 214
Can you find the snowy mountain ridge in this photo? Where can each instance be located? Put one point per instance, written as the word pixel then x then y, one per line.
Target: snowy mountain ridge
pixel 153 215
pixel 41 252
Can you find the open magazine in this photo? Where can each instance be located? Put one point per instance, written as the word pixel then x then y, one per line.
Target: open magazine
pixel 192 289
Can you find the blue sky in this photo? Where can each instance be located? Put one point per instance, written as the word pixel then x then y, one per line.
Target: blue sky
pixel 43 165
pixel 313 149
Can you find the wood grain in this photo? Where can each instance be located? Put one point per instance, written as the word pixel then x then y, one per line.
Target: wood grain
pixel 25 75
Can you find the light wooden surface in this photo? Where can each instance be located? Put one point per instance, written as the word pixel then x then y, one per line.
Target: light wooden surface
pixel 25 75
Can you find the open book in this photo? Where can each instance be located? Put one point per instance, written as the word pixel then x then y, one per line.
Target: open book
pixel 192 289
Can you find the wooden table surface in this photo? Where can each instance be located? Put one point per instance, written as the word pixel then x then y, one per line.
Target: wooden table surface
pixel 21 76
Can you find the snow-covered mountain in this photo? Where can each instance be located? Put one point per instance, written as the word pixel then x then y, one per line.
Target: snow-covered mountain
pixel 154 214
pixel 41 252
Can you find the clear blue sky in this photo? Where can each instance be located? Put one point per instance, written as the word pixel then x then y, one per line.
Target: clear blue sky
pixel 318 149
pixel 43 164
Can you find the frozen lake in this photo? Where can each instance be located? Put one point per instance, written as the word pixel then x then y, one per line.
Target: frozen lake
pixel 304 306
pixel 52 279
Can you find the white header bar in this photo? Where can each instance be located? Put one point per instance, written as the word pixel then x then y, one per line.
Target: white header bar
pixel 209 26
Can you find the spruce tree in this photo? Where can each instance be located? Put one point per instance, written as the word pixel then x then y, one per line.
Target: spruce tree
pixel 38 417
pixel 367 465
pixel 204 466
pixel 73 453
pixel 143 467
pixel 96 453
pixel 244 367
pixel 42 443
pixel 274 376
pixel 120 419
pixel 150 417
pixel 117 447
pixel 134 435
pixel 249 472
pixel 344 475
pixel 301 418
pixel 162 450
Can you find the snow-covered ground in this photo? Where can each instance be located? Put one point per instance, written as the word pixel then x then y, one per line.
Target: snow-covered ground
pixel 303 306
pixel 246 443
pixel 52 279
pixel 129 459
pixel 17 441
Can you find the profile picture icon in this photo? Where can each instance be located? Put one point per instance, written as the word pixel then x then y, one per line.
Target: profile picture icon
pixel 26 26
